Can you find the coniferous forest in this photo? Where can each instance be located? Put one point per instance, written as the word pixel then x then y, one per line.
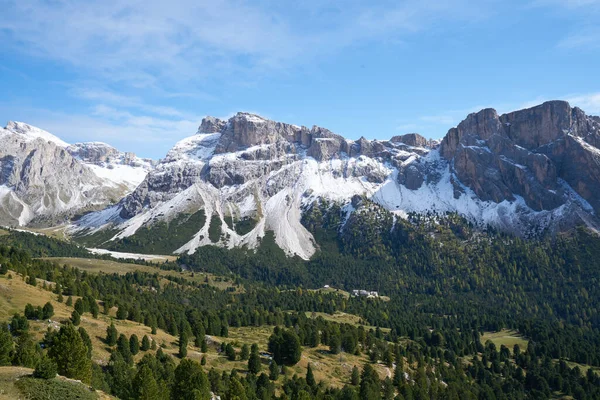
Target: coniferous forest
pixel 443 285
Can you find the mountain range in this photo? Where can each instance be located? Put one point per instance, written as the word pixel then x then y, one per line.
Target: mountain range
pixel 529 172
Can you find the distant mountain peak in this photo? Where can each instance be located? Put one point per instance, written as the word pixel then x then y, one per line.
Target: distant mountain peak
pixel 44 180
pixel 29 132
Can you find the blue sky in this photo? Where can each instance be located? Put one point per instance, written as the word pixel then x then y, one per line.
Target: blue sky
pixel 141 74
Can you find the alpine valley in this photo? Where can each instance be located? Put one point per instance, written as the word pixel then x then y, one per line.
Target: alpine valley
pixel 262 260
pixel 532 172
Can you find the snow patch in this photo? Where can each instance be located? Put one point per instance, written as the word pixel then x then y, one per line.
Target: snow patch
pixel 30 133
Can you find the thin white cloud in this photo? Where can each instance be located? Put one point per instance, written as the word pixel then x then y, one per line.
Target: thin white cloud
pixel 146 43
pixel 146 135
pixel 587 38
pixel 105 96
pixel 590 102
pixel 580 17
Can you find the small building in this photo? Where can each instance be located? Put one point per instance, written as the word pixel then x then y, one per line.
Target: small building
pixel 365 293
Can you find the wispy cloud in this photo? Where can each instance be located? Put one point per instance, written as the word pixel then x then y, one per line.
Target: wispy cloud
pixel 589 102
pixel 587 38
pixel 582 18
pixel 148 43
pixel 142 133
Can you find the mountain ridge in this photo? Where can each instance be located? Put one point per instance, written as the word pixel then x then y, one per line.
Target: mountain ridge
pixel 265 174
pixel 526 172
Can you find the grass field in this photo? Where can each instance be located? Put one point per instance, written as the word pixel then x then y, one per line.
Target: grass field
pixel 333 369
pixel 505 337
pixel 113 267
pixel 343 318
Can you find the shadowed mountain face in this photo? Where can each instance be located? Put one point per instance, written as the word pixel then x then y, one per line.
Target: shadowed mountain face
pixel 524 172
pixel 529 153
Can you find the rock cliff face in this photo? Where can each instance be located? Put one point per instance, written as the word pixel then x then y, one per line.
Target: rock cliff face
pixel 520 172
pixel 528 153
pixel 43 181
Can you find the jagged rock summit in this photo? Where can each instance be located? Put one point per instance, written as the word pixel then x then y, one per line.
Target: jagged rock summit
pixel 530 153
pixel 525 172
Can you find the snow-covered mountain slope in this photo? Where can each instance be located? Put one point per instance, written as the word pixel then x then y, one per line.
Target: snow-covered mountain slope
pixel 28 133
pixel 250 175
pixel 120 168
pixel 44 180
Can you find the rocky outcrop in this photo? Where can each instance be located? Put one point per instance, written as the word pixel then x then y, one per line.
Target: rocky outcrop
pixel 103 154
pixel 411 139
pixel 527 153
pixel 41 182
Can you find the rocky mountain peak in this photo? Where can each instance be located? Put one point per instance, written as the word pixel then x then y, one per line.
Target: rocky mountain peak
pixel 211 125
pixel 29 133
pixel 526 153
pixel 411 139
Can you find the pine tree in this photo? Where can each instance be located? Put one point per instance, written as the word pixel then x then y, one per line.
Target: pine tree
pixel 86 340
pixel 119 375
pixel 370 386
pixel 60 298
pixel 75 318
pixel 134 344
pixel 273 371
pixel 18 325
pixel 204 346
pixel 183 343
pixel 144 386
pixel 153 325
pixel 285 346
pixel 190 382
pixel 70 354
pixel 79 306
pixel 94 308
pixel 123 348
pixel 111 335
pixel 236 390
pixel 398 375
pixel 388 389
pixel 145 343
pixel 69 302
pixel 122 312
pixel 245 352
pixel 28 352
pixel 46 369
pixel 230 352
pixel 47 311
pixel 6 345
pixel 254 364
pixel 310 377
pixel 199 336
pixel 355 379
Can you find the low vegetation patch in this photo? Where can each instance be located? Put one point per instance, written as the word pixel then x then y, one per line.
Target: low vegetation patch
pixel 42 389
